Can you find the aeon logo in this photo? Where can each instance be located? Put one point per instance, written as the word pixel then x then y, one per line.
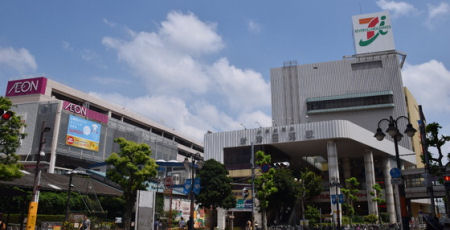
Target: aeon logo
pixel 78 109
pixel 26 86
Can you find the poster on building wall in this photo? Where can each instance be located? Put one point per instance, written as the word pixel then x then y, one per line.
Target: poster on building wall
pixel 373 32
pixel 83 133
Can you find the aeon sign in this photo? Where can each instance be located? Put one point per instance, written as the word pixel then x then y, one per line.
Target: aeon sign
pixel 26 86
pixel 85 112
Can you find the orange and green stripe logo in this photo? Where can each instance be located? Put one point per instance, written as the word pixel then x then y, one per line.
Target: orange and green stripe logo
pixel 375 27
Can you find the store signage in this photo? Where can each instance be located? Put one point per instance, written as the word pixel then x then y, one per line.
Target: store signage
pixel 85 112
pixel 83 133
pixel 26 86
pixel 373 32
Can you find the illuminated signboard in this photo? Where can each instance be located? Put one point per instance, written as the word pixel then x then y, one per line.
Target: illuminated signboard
pixel 85 112
pixel 26 87
pixel 83 133
pixel 373 32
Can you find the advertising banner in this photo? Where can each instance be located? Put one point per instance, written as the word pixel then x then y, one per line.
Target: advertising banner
pixel 83 133
pixel 373 32
pixel 26 86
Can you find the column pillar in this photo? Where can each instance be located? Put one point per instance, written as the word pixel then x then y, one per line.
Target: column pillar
pixel 333 173
pixel 347 168
pixel 370 181
pixel 388 191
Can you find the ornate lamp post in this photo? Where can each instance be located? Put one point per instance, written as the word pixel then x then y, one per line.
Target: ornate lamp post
pixel 394 132
pixel 199 159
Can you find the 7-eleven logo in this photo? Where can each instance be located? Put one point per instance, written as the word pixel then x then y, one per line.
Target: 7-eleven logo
pixel 374 29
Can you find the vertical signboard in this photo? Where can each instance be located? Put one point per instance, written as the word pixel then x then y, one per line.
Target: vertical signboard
pixel 145 210
pixel 373 32
pixel 83 133
pixel 26 87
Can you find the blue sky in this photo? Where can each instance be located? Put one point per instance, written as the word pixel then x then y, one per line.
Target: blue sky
pixel 205 65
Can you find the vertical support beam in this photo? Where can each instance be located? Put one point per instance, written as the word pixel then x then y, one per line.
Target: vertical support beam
pixel 51 166
pixel 370 181
pixel 333 173
pixel 347 168
pixel 388 191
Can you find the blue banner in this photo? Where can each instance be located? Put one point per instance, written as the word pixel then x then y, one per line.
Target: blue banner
pixel 187 186
pixel 83 128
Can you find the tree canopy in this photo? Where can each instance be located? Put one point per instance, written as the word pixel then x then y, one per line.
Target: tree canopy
pixel 10 136
pixel 215 185
pixel 132 168
pixel 309 185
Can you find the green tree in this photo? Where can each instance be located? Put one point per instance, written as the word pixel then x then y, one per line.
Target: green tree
pixel 265 185
pixel 350 192
pixel 309 184
pixel 284 198
pixel 216 188
pixel 132 168
pixel 437 167
pixel 10 136
pixel 312 214
pixel 377 196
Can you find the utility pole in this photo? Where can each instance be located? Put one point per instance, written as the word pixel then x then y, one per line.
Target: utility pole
pixel 252 161
pixel 32 209
pixel 423 140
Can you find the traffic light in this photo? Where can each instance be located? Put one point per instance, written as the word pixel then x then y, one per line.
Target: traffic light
pixel 6 115
pixel 447 181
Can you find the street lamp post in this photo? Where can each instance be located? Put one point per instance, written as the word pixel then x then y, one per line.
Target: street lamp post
pixel 393 131
pixel 69 192
pixel 191 192
pixel 32 210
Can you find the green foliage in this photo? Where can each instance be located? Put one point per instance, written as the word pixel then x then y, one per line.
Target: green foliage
pixel 9 142
pixel 350 191
pixel 264 183
pixel 112 205
pixel 215 184
pixel 284 198
pixel 312 214
pixel 378 196
pixel 372 218
pixel 308 186
pixel 132 168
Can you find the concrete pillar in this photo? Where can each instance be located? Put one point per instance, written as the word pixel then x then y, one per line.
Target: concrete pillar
pixel 347 168
pixel 333 173
pixel 388 191
pixel 370 181
pixel 52 163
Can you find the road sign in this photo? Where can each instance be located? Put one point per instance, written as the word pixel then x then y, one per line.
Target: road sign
pixel 396 181
pixel 395 173
pixel 340 197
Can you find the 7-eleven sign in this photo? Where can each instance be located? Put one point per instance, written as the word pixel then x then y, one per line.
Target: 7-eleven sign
pixel 373 32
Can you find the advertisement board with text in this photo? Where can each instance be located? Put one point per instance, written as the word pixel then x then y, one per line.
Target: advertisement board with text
pixel 83 133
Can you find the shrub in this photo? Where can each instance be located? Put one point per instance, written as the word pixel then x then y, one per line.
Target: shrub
pixel 372 218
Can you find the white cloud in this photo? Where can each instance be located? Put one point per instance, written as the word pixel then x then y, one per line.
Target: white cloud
pixel 397 8
pixel 109 23
pixel 439 10
pixel 187 32
pixel 429 82
pixel 244 89
pixel 20 59
pixel 253 26
pixel 185 91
